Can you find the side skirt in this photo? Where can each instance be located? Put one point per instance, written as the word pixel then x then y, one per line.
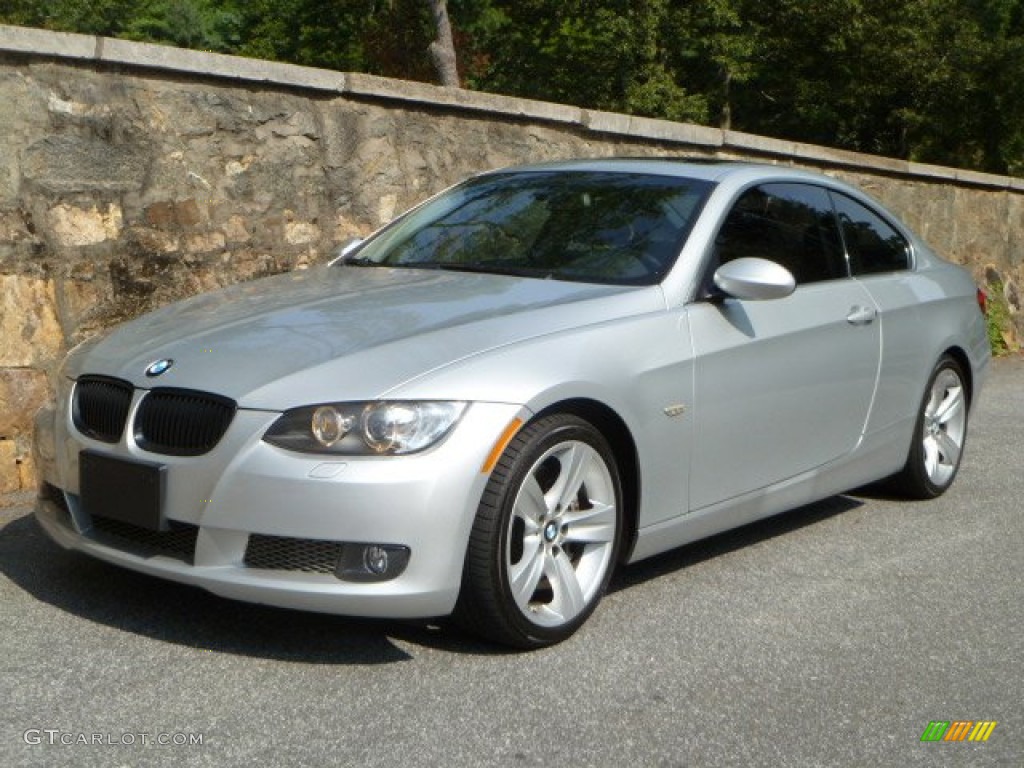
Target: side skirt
pixel 878 456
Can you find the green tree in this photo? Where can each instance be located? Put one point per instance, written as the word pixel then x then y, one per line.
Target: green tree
pixel 318 33
pixel 202 24
pixel 395 40
pixel 607 54
pixel 93 17
pixel 931 80
pixel 712 48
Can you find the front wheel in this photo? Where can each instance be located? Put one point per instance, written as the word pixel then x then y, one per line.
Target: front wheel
pixel 546 535
pixel 939 434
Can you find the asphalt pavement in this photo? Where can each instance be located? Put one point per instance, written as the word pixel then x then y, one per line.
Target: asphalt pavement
pixel 829 636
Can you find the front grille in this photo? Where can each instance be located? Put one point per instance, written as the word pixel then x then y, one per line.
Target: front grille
pixel 280 553
pixel 182 422
pixel 179 542
pixel 100 407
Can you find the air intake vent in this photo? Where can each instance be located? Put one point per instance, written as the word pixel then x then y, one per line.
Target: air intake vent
pixel 100 407
pixel 280 553
pixel 179 542
pixel 181 422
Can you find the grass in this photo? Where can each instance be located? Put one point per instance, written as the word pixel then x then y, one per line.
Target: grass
pixel 1001 335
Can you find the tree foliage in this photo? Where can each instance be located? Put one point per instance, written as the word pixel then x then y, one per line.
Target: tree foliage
pixel 938 81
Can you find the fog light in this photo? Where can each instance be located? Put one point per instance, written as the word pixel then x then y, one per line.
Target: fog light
pixel 375 559
pixel 371 562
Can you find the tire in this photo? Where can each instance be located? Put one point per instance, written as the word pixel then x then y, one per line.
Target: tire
pixel 939 434
pixel 545 538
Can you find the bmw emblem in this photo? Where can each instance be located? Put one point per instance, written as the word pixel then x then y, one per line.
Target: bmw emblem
pixel 159 366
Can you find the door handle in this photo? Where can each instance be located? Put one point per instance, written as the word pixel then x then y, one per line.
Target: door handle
pixel 861 315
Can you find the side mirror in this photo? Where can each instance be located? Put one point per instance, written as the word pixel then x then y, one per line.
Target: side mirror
pixel 754 279
pixel 345 249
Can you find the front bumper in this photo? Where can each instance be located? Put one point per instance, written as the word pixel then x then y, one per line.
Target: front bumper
pixel 246 493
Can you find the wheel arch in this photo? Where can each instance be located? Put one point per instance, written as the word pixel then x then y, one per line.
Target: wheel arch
pixel 614 429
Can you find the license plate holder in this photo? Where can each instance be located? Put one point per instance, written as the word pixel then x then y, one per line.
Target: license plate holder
pixel 127 491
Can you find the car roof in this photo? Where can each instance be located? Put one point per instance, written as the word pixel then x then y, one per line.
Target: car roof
pixel 705 169
pixel 732 174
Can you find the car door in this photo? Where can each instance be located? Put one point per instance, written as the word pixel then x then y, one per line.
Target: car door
pixel 781 386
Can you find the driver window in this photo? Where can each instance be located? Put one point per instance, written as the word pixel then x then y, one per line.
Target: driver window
pixel 790 224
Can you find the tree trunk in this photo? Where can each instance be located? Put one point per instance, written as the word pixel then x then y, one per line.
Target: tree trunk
pixel 725 118
pixel 442 50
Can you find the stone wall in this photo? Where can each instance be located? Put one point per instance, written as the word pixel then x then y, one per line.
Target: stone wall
pixel 132 175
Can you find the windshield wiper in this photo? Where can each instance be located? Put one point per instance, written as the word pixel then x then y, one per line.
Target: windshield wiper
pixel 486 269
pixel 358 261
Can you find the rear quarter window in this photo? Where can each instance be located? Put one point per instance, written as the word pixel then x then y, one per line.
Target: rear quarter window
pixel 872 243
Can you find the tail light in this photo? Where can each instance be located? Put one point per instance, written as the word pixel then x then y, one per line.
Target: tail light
pixel 983 301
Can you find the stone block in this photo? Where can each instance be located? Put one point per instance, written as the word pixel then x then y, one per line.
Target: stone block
pixel 235 230
pixel 9 176
pixel 631 126
pixel 205 242
pixel 301 232
pixel 1015 226
pixel 389 89
pixel 15 228
pixel 981 216
pixel 748 143
pixel 207 64
pixel 30 333
pixel 72 226
pixel 10 472
pixel 976 178
pixel 28 475
pixel 23 119
pixel 84 292
pixel 62 164
pixel 171 214
pixel 44 43
pixel 345 229
pixel 22 392
pixel 148 240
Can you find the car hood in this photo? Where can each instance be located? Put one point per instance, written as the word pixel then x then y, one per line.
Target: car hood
pixel 343 333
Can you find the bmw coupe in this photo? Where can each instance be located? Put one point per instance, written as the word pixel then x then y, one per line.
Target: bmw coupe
pixel 535 376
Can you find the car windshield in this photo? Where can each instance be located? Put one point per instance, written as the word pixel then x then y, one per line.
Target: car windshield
pixel 582 226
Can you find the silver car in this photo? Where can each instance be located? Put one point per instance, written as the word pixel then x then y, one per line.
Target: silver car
pixel 539 374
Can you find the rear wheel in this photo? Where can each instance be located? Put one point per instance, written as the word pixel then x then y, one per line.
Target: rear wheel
pixel 939 435
pixel 546 535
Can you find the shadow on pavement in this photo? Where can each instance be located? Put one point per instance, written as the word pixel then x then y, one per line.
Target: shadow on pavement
pixel 726 542
pixel 189 616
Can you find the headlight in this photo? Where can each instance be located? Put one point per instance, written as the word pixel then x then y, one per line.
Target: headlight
pixel 376 428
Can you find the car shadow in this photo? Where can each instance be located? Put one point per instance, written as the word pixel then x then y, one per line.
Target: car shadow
pixel 191 617
pixel 729 541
